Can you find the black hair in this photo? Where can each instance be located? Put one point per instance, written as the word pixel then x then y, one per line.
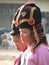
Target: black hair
pixel 26 25
pixel 15 30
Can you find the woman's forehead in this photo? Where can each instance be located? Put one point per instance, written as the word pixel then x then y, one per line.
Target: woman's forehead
pixel 16 36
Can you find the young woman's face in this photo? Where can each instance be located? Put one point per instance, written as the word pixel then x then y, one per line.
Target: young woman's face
pixel 18 43
pixel 25 35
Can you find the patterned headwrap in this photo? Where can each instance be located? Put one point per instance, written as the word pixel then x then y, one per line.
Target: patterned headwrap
pixel 29 16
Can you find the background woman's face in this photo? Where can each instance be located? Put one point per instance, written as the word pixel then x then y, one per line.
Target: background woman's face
pixel 18 43
pixel 25 35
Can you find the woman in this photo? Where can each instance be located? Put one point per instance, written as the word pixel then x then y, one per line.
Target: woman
pixel 28 19
pixel 17 43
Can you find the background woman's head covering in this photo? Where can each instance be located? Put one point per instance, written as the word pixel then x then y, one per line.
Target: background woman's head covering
pixel 29 16
pixel 15 30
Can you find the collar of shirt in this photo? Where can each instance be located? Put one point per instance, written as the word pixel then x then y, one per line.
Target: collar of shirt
pixel 24 56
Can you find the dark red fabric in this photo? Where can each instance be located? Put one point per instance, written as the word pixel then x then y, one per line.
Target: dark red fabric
pixel 16 60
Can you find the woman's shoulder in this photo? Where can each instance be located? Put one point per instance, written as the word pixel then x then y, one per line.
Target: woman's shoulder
pixel 43 48
pixel 42 51
pixel 43 55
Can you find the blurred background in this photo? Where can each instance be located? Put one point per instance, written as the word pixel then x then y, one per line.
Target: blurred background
pixel 7 10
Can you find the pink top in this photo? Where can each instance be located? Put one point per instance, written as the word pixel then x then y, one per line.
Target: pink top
pixel 40 57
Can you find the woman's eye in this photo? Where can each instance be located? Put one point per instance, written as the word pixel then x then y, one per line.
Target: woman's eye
pixel 24 32
pixel 17 41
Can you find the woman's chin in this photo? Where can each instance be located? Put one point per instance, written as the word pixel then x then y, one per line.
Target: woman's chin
pixel 21 50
